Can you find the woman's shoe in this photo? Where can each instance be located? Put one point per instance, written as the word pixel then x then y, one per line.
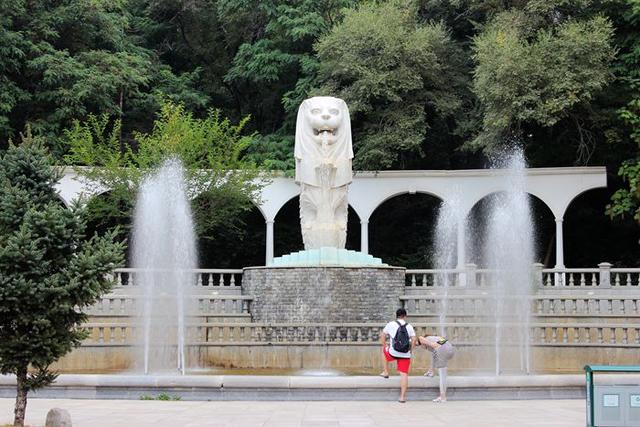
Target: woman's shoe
pixel 429 373
pixel 439 400
pixel 382 374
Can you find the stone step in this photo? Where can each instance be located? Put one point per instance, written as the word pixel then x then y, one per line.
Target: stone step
pixel 256 387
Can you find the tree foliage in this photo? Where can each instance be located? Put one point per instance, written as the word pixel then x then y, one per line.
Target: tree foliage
pixel 221 182
pixel 526 73
pixel 394 74
pixel 64 59
pixel 432 84
pixel 626 200
pixel 406 67
pixel 50 270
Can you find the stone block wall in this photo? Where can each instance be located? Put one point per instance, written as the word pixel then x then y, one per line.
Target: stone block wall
pixel 324 294
pixel 347 357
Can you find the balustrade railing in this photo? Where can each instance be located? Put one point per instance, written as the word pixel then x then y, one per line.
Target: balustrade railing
pixel 240 304
pixel 462 305
pixel 464 334
pixel 602 277
pixel 549 305
pixel 119 305
pixel 472 277
pixel 559 296
pixel 469 277
pixel 214 278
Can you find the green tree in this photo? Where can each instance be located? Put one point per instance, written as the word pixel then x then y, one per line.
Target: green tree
pixel 64 59
pixel 50 270
pixel 278 66
pixel 533 70
pixel 626 201
pixel 211 150
pixel 189 42
pixel 396 75
pixel 253 58
pixel 274 151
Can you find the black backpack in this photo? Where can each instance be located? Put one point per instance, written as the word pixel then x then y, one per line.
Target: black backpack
pixel 402 342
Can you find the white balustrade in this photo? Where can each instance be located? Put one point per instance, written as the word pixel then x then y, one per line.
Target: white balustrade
pixel 543 304
pixel 118 305
pixel 602 277
pixel 460 333
pixel 570 307
pixel 208 278
pixel 231 279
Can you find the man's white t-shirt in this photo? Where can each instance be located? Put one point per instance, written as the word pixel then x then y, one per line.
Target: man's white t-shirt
pixel 391 329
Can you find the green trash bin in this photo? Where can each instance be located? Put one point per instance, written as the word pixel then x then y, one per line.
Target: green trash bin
pixel 612 405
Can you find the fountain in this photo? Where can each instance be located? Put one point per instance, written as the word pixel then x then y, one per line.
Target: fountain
pixel 319 311
pixel 324 282
pixel 508 249
pixel 450 217
pixel 503 246
pixel 164 250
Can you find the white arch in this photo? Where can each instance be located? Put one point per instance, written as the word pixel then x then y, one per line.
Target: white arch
pixel 63 201
pixel 569 202
pixel 365 199
pixel 474 202
pixel 73 187
pixel 400 193
pixel 276 194
pixel 556 187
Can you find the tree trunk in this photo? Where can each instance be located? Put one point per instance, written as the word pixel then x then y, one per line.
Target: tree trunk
pixel 21 397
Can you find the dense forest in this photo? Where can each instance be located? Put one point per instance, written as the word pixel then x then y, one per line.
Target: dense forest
pixel 431 84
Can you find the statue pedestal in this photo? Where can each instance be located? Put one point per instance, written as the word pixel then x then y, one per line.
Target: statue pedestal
pixel 324 294
pixel 327 257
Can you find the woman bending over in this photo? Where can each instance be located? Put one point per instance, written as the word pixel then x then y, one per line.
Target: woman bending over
pixel 442 351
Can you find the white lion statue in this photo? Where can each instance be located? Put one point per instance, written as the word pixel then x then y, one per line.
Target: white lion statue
pixel 323 153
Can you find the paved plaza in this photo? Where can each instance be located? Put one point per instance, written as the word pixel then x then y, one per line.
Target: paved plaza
pixel 131 413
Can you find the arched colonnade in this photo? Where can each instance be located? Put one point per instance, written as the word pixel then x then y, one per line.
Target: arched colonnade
pixel 556 187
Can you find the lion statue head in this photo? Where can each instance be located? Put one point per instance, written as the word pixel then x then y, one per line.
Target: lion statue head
pixel 323 136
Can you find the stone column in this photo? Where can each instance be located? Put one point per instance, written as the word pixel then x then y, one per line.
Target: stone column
pixel 559 278
pixel 538 279
pixel 604 279
pixel 364 237
pixel 559 244
pixel 461 255
pixel 269 243
pixel 472 277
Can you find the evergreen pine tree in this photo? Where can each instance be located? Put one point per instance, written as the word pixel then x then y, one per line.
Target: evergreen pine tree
pixel 49 269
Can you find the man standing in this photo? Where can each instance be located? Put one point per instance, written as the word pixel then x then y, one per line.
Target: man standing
pixel 402 341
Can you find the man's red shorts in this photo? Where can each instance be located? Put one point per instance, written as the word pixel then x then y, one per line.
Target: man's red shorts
pixel 403 364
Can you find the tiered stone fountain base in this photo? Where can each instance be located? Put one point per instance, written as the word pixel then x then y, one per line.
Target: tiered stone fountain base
pixel 324 294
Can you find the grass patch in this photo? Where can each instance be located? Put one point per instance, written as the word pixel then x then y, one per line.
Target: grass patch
pixel 161 396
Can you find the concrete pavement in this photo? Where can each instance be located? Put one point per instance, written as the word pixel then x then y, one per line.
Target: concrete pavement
pixel 138 413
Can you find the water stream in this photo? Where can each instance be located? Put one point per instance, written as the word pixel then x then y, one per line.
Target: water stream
pixel 164 250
